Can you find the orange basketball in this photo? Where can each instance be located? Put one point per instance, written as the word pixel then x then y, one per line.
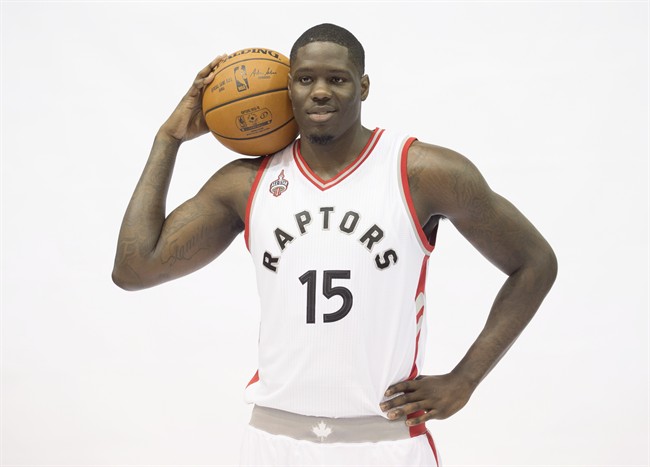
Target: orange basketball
pixel 247 106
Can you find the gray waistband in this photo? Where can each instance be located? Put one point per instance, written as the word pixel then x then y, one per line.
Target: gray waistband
pixel 328 430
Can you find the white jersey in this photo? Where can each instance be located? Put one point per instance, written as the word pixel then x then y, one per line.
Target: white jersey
pixel 341 268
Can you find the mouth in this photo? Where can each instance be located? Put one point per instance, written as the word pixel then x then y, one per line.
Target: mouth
pixel 320 115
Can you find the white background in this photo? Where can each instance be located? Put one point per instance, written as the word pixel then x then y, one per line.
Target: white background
pixel 549 99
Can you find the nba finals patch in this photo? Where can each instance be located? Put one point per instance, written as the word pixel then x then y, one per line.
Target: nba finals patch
pixel 279 185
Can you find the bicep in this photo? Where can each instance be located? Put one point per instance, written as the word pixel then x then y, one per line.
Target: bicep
pixel 201 228
pixel 497 229
pixel 193 235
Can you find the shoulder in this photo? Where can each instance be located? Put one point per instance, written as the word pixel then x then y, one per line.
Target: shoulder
pixel 441 179
pixel 232 183
pixel 235 176
pixel 242 169
pixel 436 160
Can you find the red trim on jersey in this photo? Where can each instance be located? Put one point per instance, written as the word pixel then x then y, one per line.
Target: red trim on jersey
pixel 426 243
pixel 251 196
pixel 345 173
pixel 419 315
pixel 414 369
pixel 433 447
pixel 416 430
pixel 423 277
pixel 420 290
pixel 255 378
pixel 421 429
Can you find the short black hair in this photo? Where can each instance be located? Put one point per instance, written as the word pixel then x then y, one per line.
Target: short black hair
pixel 328 32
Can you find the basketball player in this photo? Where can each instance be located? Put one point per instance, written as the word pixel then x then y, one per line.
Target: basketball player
pixel 340 226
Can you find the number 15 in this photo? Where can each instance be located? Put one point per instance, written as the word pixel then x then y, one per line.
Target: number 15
pixel 309 278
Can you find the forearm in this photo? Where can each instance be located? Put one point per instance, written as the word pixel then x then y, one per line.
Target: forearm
pixel 145 214
pixel 514 307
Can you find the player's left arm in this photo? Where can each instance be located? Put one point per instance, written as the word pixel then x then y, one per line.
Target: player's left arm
pixel 444 183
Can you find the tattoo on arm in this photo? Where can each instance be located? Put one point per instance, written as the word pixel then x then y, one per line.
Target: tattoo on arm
pixel 127 249
pixel 178 250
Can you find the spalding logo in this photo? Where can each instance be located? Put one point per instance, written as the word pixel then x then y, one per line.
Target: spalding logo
pixel 279 185
pixel 270 52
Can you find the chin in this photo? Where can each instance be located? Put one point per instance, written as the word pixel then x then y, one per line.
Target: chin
pixel 320 139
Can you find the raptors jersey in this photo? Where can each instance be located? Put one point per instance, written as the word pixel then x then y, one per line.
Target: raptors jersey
pixel 341 267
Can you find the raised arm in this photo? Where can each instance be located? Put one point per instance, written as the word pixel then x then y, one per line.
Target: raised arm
pixel 153 249
pixel 444 183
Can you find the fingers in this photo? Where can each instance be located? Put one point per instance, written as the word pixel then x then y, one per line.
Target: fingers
pixel 406 409
pixel 417 412
pixel 405 403
pixel 426 398
pixel 206 75
pixel 424 417
pixel 411 402
pixel 397 401
pixel 211 67
pixel 404 386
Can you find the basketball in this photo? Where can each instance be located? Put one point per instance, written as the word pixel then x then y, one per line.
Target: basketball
pixel 247 106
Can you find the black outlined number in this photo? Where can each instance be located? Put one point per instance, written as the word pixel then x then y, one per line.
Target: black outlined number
pixel 329 291
pixel 309 278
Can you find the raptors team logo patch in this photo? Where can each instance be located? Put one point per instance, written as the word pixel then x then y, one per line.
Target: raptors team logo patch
pixel 279 185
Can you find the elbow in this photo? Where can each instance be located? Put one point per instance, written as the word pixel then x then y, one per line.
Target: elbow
pixel 554 266
pixel 125 281
pixel 540 269
pixel 547 267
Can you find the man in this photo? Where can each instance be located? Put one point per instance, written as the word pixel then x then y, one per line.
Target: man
pixel 341 257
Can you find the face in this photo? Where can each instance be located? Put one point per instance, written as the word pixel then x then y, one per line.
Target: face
pixel 326 92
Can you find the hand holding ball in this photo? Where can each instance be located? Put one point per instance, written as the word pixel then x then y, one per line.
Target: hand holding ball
pixel 247 106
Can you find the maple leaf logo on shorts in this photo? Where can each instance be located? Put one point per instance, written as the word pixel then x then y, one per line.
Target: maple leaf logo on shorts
pixel 321 430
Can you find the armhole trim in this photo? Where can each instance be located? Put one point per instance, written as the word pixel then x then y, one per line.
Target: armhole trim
pixel 251 199
pixel 405 190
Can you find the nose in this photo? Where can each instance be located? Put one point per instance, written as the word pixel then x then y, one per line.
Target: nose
pixel 320 91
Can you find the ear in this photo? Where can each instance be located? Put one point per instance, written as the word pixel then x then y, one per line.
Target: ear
pixel 365 87
pixel 289 84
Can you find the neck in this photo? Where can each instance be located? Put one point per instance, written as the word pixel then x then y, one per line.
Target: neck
pixel 327 160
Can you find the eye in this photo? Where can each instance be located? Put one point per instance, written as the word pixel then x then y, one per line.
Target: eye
pixel 337 80
pixel 304 79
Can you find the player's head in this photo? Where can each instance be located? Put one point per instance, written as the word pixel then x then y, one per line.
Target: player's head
pixel 327 32
pixel 326 83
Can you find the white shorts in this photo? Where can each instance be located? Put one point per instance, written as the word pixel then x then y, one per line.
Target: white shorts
pixel 280 444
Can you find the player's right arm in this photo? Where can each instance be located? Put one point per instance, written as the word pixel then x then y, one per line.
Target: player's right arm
pixel 153 249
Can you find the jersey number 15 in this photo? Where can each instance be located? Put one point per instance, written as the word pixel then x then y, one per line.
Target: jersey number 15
pixel 309 278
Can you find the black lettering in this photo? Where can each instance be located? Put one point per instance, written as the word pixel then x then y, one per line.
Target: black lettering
pixel 309 278
pixel 270 52
pixel 270 262
pixel 344 223
pixel 303 218
pixel 343 292
pixel 384 260
pixel 372 236
pixel 326 217
pixel 282 238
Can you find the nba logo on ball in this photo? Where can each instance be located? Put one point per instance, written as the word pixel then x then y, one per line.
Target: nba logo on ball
pixel 240 78
pixel 247 106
